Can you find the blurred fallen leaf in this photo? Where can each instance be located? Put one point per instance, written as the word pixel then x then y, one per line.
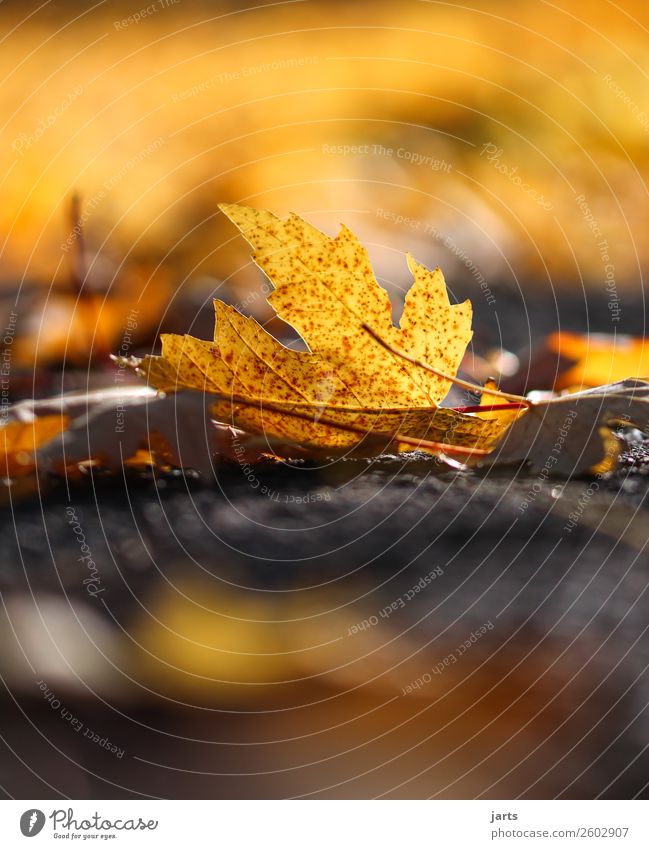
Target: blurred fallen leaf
pixel 20 439
pixel 79 327
pixel 572 361
pixel 598 358
pixel 98 306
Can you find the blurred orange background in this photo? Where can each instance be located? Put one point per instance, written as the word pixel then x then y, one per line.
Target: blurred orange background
pixel 507 138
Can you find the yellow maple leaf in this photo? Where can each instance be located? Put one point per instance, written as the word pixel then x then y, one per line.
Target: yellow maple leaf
pixel 20 439
pixel 362 377
pixel 326 289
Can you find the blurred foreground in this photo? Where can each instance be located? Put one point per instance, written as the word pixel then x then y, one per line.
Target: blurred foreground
pixel 364 630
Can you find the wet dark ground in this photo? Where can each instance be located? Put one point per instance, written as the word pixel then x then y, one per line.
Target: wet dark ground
pixel 357 629
pixel 549 699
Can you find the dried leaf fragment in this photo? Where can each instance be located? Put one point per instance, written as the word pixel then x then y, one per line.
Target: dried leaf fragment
pixel 573 434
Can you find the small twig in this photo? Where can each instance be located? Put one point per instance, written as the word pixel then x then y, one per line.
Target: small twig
pixel 441 447
pixel 78 269
pixel 88 301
